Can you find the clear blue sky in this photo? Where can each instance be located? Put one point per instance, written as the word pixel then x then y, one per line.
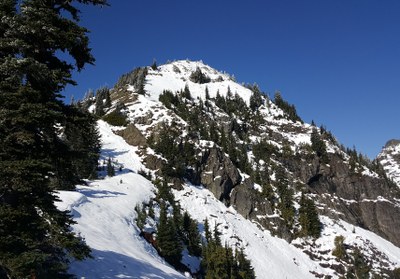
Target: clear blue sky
pixel 337 61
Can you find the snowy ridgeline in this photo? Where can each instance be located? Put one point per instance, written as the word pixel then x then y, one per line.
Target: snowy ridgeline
pixel 105 216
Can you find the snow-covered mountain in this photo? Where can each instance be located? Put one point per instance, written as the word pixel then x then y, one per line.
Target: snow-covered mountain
pixel 232 156
pixel 389 158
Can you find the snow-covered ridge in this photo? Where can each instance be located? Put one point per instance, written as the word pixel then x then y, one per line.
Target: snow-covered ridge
pixel 389 158
pixel 176 75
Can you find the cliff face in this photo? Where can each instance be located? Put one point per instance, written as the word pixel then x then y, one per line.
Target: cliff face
pixel 196 125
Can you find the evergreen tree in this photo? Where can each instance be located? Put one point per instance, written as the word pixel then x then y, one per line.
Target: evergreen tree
pixel 317 144
pixel 141 216
pixel 191 235
pixel 256 98
pixel 83 139
pixel 207 231
pixel 339 251
pixel 207 93
pixel 167 238
pixel 290 110
pixel 246 271
pixel 154 65
pixel 308 218
pixel 186 92
pixel 199 77
pixel 285 196
pixel 217 236
pixel 361 267
pixel 268 193
pixel 35 237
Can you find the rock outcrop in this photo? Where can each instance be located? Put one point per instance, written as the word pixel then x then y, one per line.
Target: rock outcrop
pixel 219 174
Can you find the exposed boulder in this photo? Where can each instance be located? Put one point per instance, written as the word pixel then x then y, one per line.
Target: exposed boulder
pixel 132 136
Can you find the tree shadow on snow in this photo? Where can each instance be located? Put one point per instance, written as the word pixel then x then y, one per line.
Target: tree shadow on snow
pixel 108 264
pixel 100 194
pixel 111 153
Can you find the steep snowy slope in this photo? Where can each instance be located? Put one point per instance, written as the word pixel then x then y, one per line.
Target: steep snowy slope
pixel 389 158
pixel 105 216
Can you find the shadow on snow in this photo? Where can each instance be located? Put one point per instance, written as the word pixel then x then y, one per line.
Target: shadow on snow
pixel 108 264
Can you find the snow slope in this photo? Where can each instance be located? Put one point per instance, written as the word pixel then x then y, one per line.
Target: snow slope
pixel 273 257
pixel 270 256
pixel 105 216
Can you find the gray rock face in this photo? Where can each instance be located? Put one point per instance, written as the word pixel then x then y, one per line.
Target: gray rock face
pixel 382 217
pixel 244 199
pixel 363 200
pixel 133 136
pixel 219 174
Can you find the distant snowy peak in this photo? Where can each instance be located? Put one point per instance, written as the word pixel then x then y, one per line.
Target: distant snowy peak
pixel 390 160
pixel 176 75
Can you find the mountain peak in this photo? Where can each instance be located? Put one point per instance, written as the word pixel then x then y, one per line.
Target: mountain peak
pixel 195 75
pixel 392 142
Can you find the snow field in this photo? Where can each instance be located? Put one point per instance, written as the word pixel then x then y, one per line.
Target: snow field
pixel 105 216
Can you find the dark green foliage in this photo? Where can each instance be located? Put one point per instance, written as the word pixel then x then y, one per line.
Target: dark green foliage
pixel 318 145
pixel 168 99
pixel 186 93
pixel 395 273
pixel 141 216
pixel 191 236
pixel 220 262
pixel 256 99
pixel 77 150
pixel 232 105
pixel 360 269
pixel 154 65
pixel 136 78
pixel 264 150
pixel 207 93
pixel 207 231
pixel 116 118
pixel 220 101
pixel 36 240
pixel 199 77
pixel 290 110
pixel 164 192
pixel 179 154
pixel 308 218
pixel 83 139
pixel 151 210
pixel 339 251
pixel 245 270
pixel 285 195
pixel 168 238
pixel 268 193
pixel 103 94
pixel 110 167
pixel 103 100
